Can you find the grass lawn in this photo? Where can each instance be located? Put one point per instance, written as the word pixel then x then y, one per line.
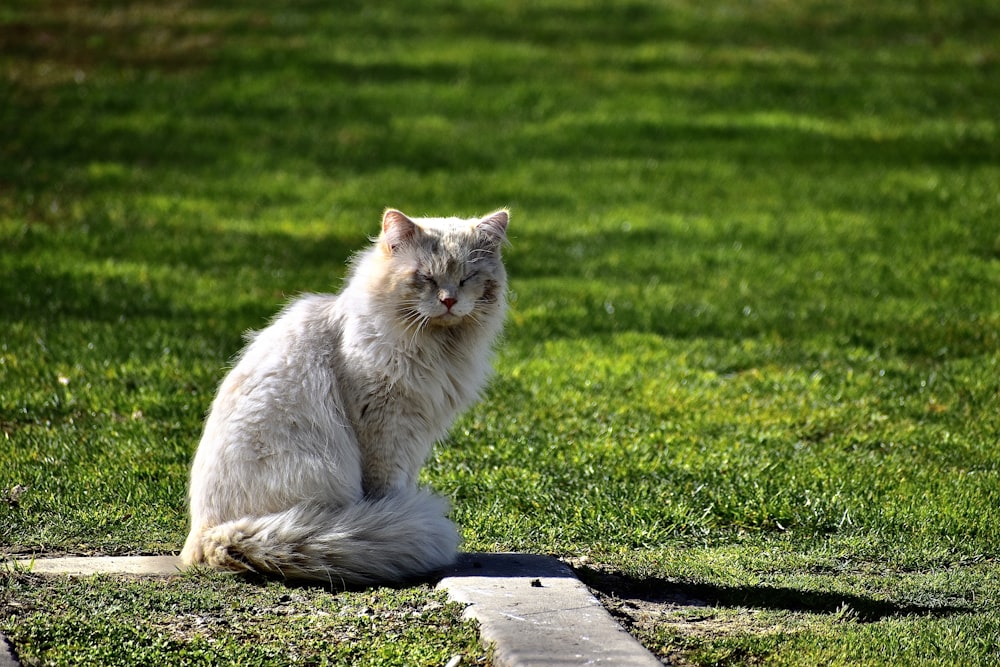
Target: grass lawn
pixel 750 384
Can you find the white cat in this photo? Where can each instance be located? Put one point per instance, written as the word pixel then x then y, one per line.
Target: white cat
pixel 308 465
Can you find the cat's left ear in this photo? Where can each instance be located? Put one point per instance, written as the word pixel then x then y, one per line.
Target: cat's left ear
pixel 494 226
pixel 396 229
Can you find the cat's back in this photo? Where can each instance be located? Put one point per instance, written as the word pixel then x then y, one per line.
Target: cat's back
pixel 306 325
pixel 290 354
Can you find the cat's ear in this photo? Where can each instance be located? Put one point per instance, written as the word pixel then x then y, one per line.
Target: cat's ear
pixel 397 229
pixel 494 226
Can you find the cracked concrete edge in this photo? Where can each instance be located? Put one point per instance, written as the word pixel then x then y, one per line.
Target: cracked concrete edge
pixel 538 614
pixel 7 657
pixel 532 608
pixel 152 566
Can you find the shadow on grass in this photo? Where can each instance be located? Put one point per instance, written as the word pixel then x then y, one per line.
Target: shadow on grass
pixel 113 283
pixel 692 283
pixel 657 590
pixel 338 111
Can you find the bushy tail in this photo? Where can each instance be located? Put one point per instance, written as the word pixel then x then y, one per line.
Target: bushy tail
pixel 386 540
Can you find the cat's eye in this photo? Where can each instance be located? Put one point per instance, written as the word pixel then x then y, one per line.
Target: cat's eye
pixel 424 277
pixel 468 277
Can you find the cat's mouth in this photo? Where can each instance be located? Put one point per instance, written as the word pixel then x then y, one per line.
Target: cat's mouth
pixel 445 319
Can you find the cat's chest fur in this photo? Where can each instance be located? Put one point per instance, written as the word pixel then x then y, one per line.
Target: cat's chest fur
pixel 402 389
pixel 428 378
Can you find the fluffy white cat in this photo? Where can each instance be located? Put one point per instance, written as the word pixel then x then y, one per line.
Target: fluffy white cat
pixel 308 465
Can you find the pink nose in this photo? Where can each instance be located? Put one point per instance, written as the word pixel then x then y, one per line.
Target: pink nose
pixel 449 302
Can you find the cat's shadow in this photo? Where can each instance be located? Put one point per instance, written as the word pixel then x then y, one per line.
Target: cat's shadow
pixel 617 585
pixel 754 596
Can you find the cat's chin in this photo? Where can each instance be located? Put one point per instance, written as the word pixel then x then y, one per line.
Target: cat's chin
pixel 445 320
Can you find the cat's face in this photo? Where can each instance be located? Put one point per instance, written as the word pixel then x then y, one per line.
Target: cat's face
pixel 446 271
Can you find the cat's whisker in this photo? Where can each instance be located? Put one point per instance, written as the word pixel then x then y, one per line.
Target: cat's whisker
pixel 477 320
pixel 413 321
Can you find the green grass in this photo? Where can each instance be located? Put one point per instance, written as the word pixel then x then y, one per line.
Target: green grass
pixel 221 620
pixel 754 345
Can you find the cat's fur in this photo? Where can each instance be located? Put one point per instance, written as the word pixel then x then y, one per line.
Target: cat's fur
pixel 308 465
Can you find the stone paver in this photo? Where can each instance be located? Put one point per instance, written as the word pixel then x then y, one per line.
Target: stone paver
pixel 154 566
pixel 531 607
pixel 7 658
pixel 539 614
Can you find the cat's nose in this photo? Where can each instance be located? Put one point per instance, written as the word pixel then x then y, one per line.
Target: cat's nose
pixel 449 301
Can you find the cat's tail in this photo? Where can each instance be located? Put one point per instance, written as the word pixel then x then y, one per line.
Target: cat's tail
pixel 386 540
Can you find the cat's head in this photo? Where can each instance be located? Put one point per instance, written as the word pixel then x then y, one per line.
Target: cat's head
pixel 443 272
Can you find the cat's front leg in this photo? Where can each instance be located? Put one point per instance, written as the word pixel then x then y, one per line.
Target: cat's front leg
pixel 392 462
pixel 193 552
pixel 378 483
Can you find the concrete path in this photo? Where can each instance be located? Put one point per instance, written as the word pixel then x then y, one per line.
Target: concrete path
pixel 538 614
pixel 154 566
pixel 7 658
pixel 531 607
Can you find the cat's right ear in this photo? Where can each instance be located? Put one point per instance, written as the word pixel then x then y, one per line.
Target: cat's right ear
pixel 494 227
pixel 397 229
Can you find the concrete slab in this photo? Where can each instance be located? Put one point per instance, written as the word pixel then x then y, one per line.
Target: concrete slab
pixel 152 566
pixel 538 614
pixel 7 658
